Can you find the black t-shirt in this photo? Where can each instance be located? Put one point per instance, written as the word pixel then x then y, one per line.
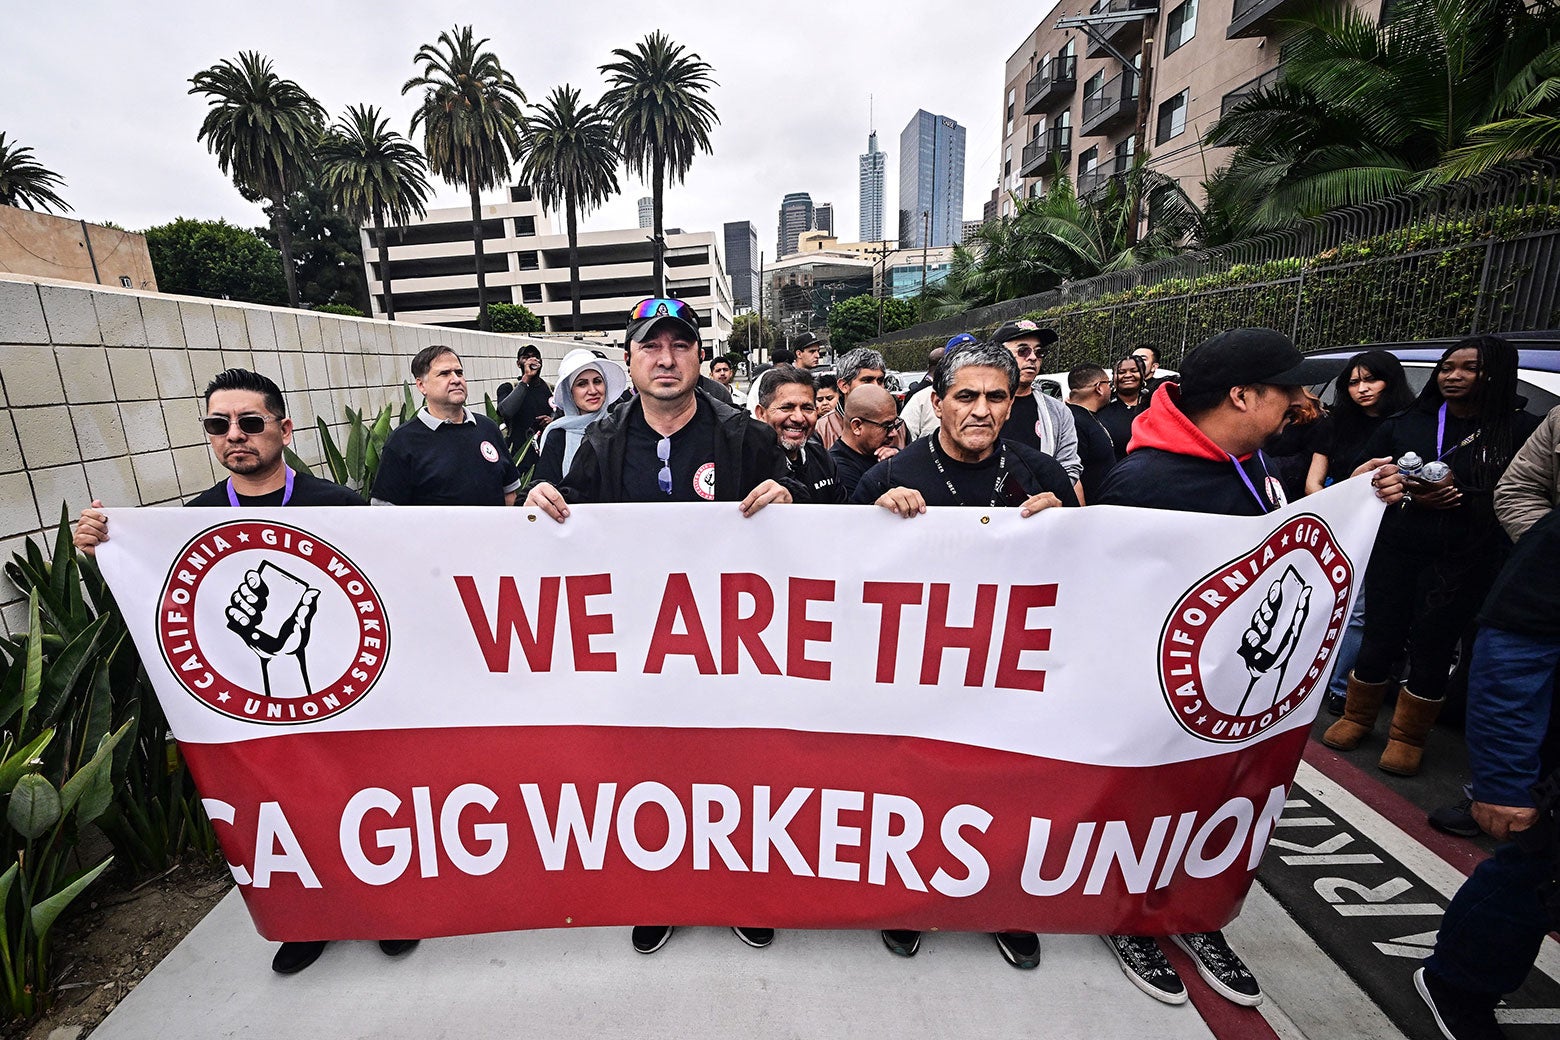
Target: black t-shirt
pixel 813 467
pixel 1021 422
pixel 1117 419
pixel 692 460
pixel 452 464
pixel 1006 477
pixel 307 491
pixel 849 465
pixel 1526 596
pixel 1095 450
pixel 1344 452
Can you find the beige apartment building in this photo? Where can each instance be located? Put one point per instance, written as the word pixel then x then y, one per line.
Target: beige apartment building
pixel 1069 100
pixel 42 245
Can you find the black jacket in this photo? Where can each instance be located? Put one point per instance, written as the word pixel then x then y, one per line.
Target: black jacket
pixel 747 453
pixel 522 410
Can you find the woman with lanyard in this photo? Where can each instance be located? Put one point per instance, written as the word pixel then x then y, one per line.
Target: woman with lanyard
pixel 1437 554
pixel 587 385
pixel 1371 389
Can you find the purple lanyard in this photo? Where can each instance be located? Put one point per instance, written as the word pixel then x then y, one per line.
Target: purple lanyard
pixel 1246 479
pixel 286 492
pixel 1440 436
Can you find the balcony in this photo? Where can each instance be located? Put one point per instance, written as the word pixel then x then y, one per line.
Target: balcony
pixel 1096 179
pixel 1059 79
pixel 1042 154
pixel 1117 34
pixel 1262 82
pixel 1112 107
pixel 1255 17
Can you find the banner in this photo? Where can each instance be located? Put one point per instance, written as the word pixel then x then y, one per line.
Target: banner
pixel 420 722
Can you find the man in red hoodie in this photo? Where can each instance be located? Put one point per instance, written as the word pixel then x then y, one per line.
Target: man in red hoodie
pixel 1198 448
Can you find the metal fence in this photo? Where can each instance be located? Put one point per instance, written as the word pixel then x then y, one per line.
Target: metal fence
pixel 1481 255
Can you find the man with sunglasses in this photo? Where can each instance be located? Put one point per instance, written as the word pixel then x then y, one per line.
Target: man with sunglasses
pixel 1088 391
pixel 672 443
pixel 246 422
pixel 1038 420
pixel 870 419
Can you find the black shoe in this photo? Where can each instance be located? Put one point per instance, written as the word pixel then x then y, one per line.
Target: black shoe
pixel 293 957
pixel 1334 703
pixel 1456 819
pixel 1020 949
pixel 651 937
pixel 904 943
pixel 757 938
pixel 1146 967
pixel 396 947
pixel 1459 1015
pixel 1220 968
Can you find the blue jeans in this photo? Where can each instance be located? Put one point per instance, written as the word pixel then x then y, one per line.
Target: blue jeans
pixel 1348 648
pixel 1491 933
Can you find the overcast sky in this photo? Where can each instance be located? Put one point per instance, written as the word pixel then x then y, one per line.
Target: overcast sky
pixel 98 90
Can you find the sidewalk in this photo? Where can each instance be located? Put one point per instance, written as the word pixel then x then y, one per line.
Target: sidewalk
pixel 706 983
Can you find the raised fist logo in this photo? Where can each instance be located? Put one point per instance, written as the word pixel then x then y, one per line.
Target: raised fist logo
pixel 271 611
pixel 1269 642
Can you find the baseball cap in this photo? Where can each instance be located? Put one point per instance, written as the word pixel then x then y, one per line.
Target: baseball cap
pixel 805 341
pixel 963 339
pixel 528 350
pixel 1241 357
pixel 1024 327
pixel 647 314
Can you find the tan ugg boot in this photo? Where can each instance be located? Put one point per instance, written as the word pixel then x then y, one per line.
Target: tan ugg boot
pixel 1411 723
pixel 1359 715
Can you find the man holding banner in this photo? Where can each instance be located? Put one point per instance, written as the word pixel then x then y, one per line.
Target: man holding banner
pixel 672 443
pixel 246 420
pixel 1198 448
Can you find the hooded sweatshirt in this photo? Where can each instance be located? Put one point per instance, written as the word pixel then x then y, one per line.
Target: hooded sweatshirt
pixel 562 437
pixel 1171 464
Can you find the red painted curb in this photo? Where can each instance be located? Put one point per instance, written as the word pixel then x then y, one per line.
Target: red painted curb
pixel 1225 1020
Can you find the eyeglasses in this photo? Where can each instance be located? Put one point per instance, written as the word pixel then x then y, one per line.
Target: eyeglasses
pixel 888 426
pixel 663 307
pixel 253 425
pixel 663 451
pixel 1027 352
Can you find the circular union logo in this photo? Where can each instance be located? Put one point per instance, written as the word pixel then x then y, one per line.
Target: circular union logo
pixel 266 623
pixel 489 452
pixel 1251 641
pixel 704 482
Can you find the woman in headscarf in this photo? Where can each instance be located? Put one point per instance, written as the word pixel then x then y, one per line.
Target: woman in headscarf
pixel 587 384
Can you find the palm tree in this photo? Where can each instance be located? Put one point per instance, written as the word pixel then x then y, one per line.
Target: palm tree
pixel 656 98
pixel 571 161
pixel 471 118
pixel 1367 109
pixel 1527 121
pixel 370 170
pixel 24 183
pixel 263 131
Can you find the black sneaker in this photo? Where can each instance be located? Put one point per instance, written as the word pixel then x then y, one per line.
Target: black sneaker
pixel 651 937
pixel 903 943
pixel 1456 819
pixel 293 957
pixel 1146 967
pixel 396 947
pixel 1020 949
pixel 757 938
pixel 1220 968
pixel 1459 1015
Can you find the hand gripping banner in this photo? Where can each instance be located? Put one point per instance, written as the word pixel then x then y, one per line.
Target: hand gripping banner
pixel 420 722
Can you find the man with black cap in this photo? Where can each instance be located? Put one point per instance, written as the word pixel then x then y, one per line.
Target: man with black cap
pixel 528 407
pixel 672 443
pixel 808 350
pixel 1038 420
pixel 1198 448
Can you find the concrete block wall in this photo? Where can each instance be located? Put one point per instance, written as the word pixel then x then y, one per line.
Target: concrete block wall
pixel 102 392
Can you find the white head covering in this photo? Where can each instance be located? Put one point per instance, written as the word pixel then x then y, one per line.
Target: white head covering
pixel 577 361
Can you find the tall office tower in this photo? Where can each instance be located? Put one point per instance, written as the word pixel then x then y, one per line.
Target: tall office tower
pixel 742 262
pixel 823 217
pixel 931 181
pixel 646 211
pixel 796 216
pixel 873 165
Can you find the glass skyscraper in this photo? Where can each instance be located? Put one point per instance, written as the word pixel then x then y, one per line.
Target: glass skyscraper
pixel 873 165
pixel 742 262
pixel 931 181
pixel 796 216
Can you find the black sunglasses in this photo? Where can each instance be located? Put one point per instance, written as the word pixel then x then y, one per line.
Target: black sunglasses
pixel 218 425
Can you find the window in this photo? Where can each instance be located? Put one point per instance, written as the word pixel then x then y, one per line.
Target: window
pixel 1089 160
pixel 125 281
pixel 1012 99
pixel 525 226
pixel 530 294
pixel 1172 116
pixel 1039 129
pixel 1092 85
pixel 1007 162
pixel 1181 27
